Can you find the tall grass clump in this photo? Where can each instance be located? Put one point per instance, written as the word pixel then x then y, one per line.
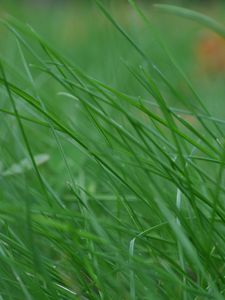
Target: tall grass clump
pixel 108 194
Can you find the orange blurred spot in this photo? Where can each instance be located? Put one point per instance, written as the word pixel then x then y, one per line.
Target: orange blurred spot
pixel 210 52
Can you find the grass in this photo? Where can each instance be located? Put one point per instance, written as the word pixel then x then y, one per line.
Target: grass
pixel 111 181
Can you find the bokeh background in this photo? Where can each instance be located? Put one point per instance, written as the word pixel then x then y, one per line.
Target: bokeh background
pixel 80 32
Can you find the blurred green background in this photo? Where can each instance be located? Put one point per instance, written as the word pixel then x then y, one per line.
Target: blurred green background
pixel 80 31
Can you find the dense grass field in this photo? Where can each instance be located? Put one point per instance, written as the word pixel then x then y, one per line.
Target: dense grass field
pixel 112 151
